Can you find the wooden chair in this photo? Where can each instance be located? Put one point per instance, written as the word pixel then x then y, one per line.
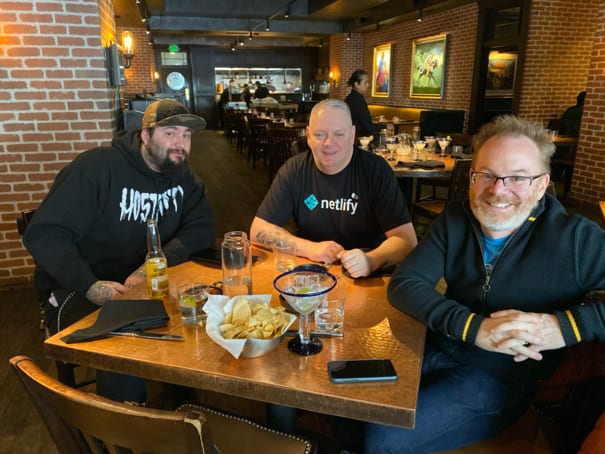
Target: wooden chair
pixel 81 422
pixel 458 139
pixel 562 165
pixel 457 189
pixel 281 147
pixel 231 120
pixel 243 133
pixel 258 144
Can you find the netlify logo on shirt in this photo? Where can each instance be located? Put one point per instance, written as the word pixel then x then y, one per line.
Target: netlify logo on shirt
pixel 347 205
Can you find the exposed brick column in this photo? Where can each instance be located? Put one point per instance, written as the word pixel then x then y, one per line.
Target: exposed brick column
pixel 54 103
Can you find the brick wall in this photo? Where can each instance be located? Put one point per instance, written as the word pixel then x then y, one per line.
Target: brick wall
pixel 140 74
pixel 565 55
pixel 345 57
pixel 588 184
pixel 54 103
pixel 558 53
pixel 460 24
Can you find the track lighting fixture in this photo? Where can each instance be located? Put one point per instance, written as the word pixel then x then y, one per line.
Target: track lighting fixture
pixel 268 27
pixel 419 15
pixel 349 36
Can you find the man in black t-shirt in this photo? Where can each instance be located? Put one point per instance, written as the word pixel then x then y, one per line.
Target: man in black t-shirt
pixel 345 202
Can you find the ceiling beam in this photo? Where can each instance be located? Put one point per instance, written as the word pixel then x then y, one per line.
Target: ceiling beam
pixel 201 24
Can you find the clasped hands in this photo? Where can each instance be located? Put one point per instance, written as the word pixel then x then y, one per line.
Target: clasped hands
pixel 102 291
pixel 520 334
pixel 355 261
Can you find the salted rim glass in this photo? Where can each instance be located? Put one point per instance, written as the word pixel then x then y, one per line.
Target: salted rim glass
pixel 509 181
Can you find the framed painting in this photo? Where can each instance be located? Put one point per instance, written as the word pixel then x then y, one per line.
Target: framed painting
pixel 381 74
pixel 501 72
pixel 427 78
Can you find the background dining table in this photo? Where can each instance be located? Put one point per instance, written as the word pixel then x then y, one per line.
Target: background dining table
pixel 408 175
pixel 372 329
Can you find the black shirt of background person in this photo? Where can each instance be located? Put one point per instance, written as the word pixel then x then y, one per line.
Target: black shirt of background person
pixel 261 92
pixel 246 95
pixel 361 115
pixel 572 117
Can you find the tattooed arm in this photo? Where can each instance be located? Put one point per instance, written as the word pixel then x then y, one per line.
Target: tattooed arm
pixel 263 233
pixel 102 291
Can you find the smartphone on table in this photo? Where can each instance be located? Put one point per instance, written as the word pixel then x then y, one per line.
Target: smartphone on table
pixel 361 370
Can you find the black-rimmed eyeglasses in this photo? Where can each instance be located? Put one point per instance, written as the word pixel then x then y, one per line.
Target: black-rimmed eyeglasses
pixel 511 181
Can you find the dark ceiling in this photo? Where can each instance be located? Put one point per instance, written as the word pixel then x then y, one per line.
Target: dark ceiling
pixel 222 22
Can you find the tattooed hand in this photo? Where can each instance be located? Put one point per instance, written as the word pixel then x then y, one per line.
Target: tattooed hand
pixel 136 277
pixel 102 291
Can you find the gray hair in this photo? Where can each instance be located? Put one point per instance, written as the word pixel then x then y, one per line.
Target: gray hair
pixel 512 126
pixel 334 103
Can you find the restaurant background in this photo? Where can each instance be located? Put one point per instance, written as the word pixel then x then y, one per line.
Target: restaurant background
pixel 55 99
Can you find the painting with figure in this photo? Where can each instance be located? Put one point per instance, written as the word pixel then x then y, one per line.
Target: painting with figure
pixel 381 73
pixel 428 67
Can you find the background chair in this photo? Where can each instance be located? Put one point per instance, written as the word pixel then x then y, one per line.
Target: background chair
pixel 81 422
pixel 458 140
pixel 281 146
pixel 457 189
pixel 258 143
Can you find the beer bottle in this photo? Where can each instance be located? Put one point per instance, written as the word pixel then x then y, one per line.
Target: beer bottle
pixel 156 265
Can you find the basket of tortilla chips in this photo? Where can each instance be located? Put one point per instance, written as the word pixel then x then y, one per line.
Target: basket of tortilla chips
pixel 246 325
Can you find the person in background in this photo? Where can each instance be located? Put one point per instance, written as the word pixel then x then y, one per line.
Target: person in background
pixel 572 117
pixel 345 202
pixel 89 235
pixel 260 92
pixel 518 271
pixel 359 83
pixel 225 98
pixel 246 95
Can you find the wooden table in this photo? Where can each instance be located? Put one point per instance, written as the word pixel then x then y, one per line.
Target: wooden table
pixel 373 329
pixel 408 176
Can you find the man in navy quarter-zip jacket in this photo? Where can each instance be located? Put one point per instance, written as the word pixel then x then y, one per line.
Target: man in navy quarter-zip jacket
pixel 518 269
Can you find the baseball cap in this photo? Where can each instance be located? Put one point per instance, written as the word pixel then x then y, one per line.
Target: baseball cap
pixel 167 112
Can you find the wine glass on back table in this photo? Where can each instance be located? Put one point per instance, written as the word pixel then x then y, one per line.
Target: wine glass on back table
pixel 444 142
pixel 391 144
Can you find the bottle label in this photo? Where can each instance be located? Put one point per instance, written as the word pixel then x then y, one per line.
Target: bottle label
pixel 157 276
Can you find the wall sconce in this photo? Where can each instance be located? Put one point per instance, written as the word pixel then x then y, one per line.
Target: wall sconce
pixel 127 47
pixel 333 80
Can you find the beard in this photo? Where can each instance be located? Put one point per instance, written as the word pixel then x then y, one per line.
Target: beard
pixel 481 206
pixel 164 164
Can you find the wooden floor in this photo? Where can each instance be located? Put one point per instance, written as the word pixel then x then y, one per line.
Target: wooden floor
pixel 234 190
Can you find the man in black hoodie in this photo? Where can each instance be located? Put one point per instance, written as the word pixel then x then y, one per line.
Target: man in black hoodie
pixel 88 237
